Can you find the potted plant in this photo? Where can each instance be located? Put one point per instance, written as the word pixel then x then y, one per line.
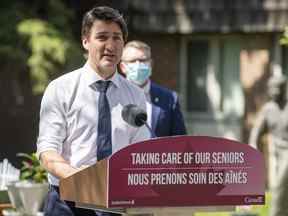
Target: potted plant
pixel 27 194
pixel 31 169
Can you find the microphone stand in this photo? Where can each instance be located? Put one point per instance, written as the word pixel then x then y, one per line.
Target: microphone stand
pixel 153 135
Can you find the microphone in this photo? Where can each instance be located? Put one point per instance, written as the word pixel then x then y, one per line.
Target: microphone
pixel 135 116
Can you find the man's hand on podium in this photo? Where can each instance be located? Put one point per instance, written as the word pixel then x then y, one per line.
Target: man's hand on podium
pixel 54 163
pixel 82 167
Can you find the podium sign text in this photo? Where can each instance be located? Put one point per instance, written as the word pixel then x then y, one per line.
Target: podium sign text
pixel 186 171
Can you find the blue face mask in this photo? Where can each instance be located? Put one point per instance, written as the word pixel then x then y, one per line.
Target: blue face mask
pixel 138 72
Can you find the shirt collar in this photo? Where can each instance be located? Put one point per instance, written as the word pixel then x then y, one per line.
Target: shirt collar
pixel 147 87
pixel 146 90
pixel 91 76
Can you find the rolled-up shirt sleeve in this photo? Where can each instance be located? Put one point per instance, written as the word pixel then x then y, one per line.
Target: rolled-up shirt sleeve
pixel 52 125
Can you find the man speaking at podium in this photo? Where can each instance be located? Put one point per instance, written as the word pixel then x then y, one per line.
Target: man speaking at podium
pixel 80 116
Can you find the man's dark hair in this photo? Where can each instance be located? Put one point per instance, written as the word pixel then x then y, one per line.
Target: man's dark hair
pixel 103 13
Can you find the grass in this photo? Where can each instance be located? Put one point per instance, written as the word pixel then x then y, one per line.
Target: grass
pixel 4 197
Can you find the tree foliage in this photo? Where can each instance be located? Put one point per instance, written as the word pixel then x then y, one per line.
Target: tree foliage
pixel 37 35
pixel 284 38
pixel 48 48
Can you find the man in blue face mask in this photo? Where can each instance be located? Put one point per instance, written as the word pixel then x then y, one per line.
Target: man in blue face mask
pixel 164 115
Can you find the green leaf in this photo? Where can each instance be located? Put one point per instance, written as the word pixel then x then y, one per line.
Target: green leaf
pixel 31 168
pixel 26 175
pixel 24 155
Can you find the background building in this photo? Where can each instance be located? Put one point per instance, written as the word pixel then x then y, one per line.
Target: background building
pixel 216 54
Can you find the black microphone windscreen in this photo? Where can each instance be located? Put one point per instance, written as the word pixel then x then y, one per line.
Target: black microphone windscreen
pixel 134 115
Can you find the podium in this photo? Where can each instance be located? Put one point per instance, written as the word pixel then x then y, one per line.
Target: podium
pixel 173 175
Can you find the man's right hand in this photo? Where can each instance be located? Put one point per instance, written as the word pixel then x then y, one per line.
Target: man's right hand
pixel 55 164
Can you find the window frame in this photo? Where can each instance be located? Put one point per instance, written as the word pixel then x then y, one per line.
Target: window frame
pixel 213 66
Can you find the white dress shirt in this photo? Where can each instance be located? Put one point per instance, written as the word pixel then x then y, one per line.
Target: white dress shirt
pixel 146 89
pixel 69 116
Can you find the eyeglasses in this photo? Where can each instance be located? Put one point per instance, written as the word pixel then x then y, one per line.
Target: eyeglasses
pixel 145 61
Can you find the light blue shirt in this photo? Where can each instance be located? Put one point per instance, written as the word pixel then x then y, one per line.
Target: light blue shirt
pixel 69 116
pixel 149 105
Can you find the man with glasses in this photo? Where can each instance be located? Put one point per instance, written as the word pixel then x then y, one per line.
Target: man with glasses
pixel 162 104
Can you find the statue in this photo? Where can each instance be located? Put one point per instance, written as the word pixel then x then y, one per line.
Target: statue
pixel 273 118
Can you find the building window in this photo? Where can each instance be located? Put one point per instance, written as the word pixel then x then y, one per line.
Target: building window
pixel 284 59
pixel 198 54
pixel 204 75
